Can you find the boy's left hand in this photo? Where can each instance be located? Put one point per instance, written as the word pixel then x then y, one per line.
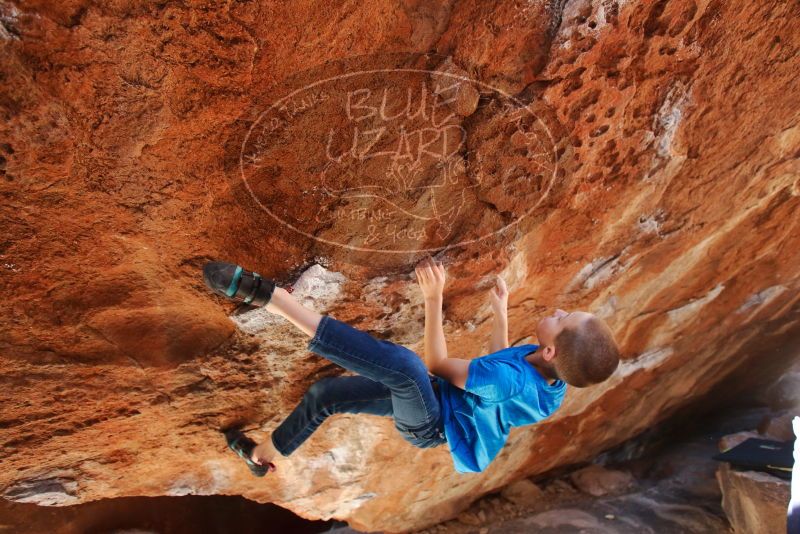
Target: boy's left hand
pixel 498 295
pixel 431 277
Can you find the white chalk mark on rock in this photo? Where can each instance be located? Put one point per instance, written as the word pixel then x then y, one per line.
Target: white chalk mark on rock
pixel 761 298
pixel 688 311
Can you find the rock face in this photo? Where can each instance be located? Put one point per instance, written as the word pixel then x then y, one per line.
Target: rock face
pixel 634 159
pixel 753 501
pixel 597 480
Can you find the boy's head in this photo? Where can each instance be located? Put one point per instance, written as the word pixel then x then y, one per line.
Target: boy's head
pixel 578 347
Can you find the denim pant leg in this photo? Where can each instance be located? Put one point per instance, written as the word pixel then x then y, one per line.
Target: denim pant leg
pixel 340 394
pixel 415 408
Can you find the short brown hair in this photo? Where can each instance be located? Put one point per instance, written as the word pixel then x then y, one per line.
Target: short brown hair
pixel 586 355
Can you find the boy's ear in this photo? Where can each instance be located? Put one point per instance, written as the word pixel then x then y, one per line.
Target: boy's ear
pixel 549 353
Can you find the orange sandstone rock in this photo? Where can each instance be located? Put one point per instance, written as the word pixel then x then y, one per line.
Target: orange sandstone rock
pixel 635 159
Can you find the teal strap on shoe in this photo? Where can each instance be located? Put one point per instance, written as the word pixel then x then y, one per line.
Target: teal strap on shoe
pixel 237 276
pixel 256 286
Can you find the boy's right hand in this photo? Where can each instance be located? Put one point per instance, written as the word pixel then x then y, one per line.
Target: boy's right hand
pixel 499 296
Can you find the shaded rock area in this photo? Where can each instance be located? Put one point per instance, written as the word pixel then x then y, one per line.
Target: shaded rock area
pixel 217 514
pixel 636 159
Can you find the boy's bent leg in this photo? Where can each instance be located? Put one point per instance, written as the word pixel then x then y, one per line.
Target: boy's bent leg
pixel 403 371
pixel 414 402
pixel 341 394
pixel 360 352
pixel 349 347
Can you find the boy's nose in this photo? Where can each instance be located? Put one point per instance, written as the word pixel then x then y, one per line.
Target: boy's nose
pixel 560 312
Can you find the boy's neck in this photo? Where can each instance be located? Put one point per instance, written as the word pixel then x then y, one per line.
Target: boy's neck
pixel 535 359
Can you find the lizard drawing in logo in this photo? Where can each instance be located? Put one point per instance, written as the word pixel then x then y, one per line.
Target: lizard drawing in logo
pixel 422 192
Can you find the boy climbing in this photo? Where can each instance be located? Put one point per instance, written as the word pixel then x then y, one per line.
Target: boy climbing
pixel 468 404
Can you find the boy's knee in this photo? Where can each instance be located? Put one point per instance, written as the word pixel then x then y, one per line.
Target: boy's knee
pixel 318 388
pixel 319 398
pixel 413 363
pixel 321 393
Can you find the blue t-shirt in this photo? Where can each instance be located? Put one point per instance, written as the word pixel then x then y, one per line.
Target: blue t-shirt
pixel 503 390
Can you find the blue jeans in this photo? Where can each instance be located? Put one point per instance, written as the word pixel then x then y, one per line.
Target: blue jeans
pixel 393 381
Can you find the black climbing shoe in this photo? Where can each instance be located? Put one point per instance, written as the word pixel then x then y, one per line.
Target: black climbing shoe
pixel 238 284
pixel 243 446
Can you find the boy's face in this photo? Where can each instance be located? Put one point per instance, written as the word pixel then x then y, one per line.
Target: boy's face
pixel 550 326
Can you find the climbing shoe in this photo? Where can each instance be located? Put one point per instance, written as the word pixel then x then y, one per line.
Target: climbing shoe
pixel 238 284
pixel 243 447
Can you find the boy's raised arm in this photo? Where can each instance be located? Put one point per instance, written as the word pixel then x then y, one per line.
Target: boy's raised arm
pixel 431 278
pixel 499 299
